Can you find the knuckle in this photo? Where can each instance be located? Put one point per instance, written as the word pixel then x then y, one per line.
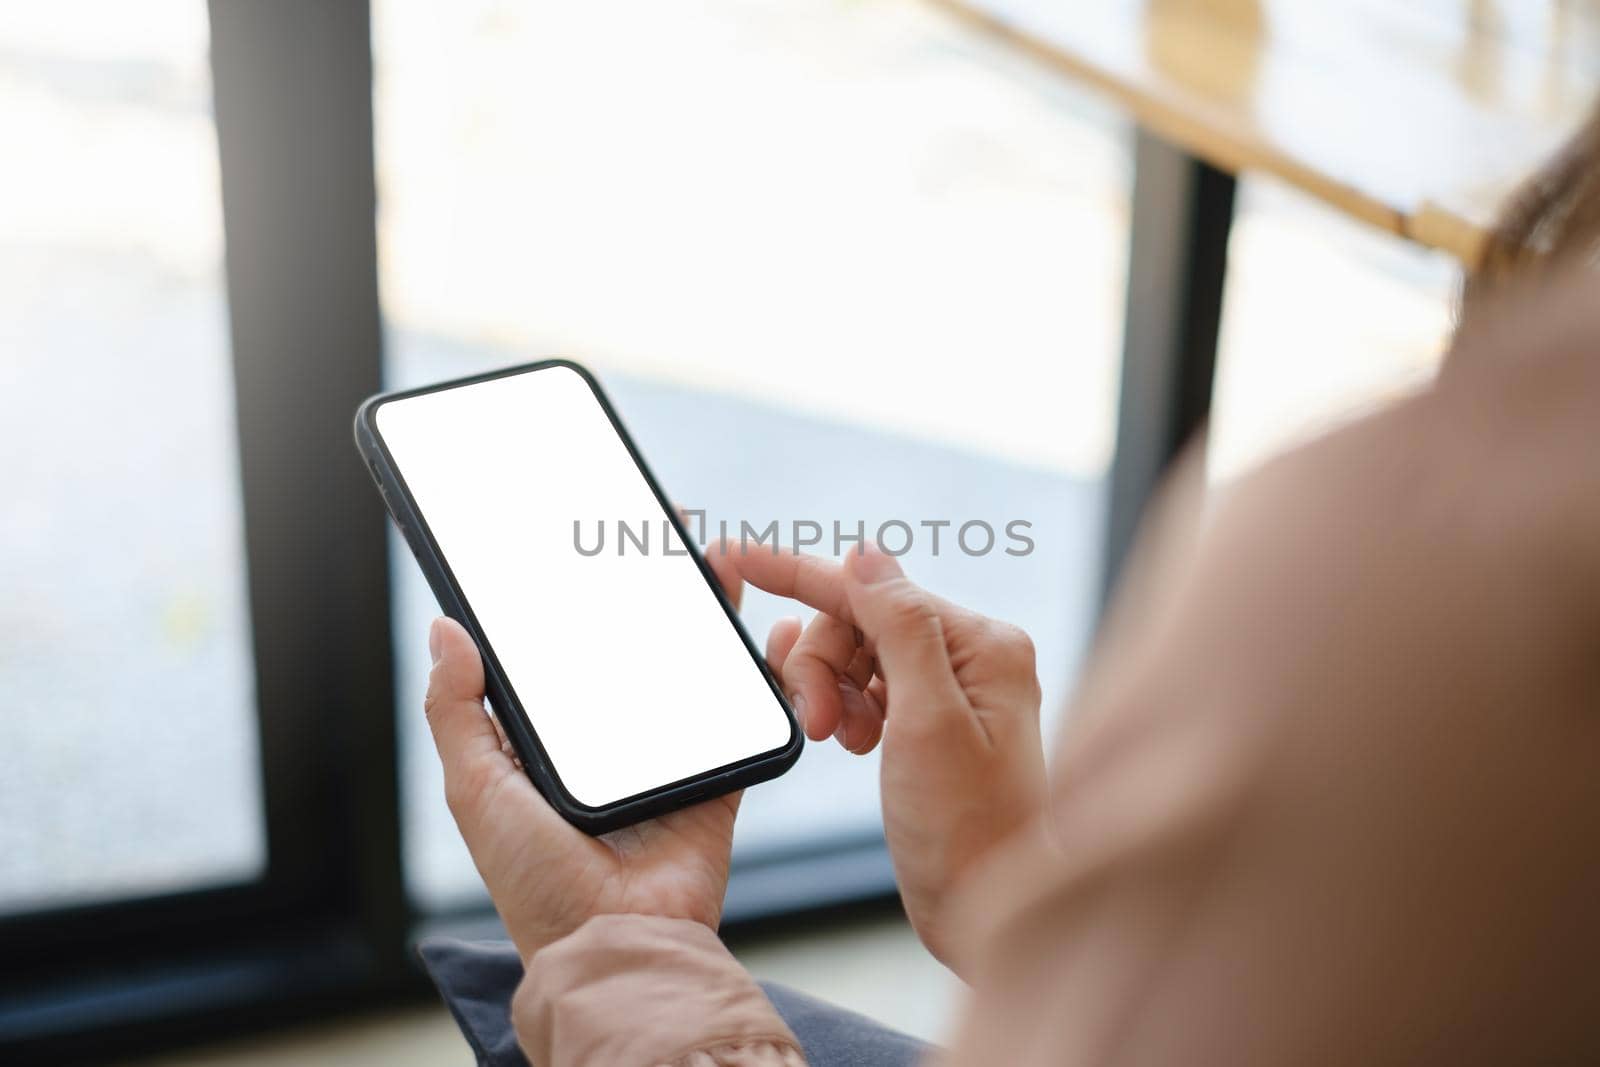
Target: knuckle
pixel 805 659
pixel 822 649
pixel 908 610
pixel 1013 645
pixel 525 994
pixel 1014 658
pixel 437 683
pixel 525 1006
pixel 1022 645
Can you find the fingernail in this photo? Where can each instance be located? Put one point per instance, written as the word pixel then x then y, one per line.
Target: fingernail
pixel 839 735
pixel 798 703
pixel 435 638
pixel 872 567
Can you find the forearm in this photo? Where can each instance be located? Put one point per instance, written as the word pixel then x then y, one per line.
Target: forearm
pixel 1337 803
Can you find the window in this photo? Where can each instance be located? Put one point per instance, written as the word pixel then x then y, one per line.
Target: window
pixel 1323 319
pixel 839 263
pixel 196 801
pixel 128 748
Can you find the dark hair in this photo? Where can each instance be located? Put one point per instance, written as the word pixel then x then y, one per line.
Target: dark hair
pixel 1552 218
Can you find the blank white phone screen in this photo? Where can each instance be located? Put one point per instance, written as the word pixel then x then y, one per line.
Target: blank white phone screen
pixel 624 661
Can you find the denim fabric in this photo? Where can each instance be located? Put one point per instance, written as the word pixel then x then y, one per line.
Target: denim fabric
pixel 477 979
pixel 833 1037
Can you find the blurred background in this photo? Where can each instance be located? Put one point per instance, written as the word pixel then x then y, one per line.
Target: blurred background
pixel 850 259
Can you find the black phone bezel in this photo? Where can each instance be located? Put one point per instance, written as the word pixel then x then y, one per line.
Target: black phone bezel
pixel 503 700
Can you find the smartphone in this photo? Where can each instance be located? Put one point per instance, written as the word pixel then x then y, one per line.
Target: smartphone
pixel 620 674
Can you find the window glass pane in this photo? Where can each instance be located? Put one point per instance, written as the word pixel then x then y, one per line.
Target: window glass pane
pixel 128 746
pixel 836 262
pixel 1325 318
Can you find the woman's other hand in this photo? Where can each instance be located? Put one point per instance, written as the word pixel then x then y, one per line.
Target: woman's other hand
pixel 953 697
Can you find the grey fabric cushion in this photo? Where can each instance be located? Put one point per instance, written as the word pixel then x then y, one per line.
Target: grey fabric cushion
pixel 477 979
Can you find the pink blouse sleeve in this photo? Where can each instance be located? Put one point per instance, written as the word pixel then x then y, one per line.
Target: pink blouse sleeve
pixel 642 990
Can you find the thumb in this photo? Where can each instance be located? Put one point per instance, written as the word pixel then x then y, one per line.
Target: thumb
pixel 903 623
pixel 454 704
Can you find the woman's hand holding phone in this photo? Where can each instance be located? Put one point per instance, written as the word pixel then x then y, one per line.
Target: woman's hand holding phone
pixel 953 696
pixel 545 876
